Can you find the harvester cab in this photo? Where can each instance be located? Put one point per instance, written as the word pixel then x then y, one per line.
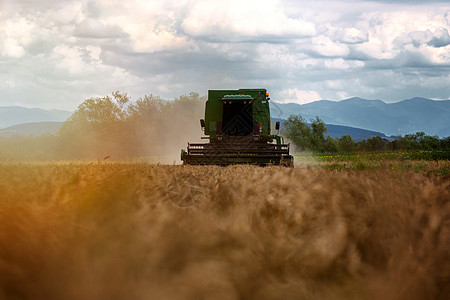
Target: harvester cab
pixel 238 126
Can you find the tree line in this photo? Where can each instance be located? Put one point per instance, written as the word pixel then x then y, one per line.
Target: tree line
pixel 311 137
pixel 117 128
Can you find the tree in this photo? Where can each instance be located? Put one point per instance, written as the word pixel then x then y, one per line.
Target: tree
pixel 296 130
pixel 445 143
pixel 346 144
pixel 304 136
pixel 147 108
pixel 428 142
pixel 162 125
pixel 317 138
pixel 97 113
pixel 374 143
pixel 411 141
pixel 331 145
pixel 97 128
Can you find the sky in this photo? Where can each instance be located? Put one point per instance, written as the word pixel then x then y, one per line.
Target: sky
pixel 54 54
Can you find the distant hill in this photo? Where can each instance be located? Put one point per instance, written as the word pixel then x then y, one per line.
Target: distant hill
pixel 351 116
pixel 358 134
pixel 404 117
pixel 35 129
pixel 337 131
pixel 13 115
pixel 39 128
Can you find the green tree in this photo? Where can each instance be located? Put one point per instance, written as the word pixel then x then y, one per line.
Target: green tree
pixel 347 144
pixel 317 139
pixel 445 143
pixel 374 143
pixel 331 145
pixel 296 130
pixel 411 141
pixel 304 136
pixel 428 142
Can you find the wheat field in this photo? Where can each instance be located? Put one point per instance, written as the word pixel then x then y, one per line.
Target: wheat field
pixel 138 231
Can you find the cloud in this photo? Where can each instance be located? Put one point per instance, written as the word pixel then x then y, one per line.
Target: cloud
pixel 71 58
pixel 149 36
pixel 441 38
pixel 295 95
pixel 15 36
pixel 350 35
pixel 395 31
pixel 236 20
pixel 323 45
pixel 92 28
pixel 70 13
pixel 60 52
pixel 342 64
pixel 409 1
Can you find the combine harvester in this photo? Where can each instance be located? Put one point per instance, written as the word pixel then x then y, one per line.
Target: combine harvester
pixel 237 124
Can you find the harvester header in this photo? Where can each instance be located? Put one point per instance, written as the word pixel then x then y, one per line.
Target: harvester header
pixel 238 126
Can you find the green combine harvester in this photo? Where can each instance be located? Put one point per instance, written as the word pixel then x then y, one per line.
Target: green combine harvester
pixel 237 124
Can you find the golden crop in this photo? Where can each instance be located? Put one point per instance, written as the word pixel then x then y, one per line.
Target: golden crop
pixel 136 231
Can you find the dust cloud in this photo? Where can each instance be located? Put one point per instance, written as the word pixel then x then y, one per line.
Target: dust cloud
pixel 150 129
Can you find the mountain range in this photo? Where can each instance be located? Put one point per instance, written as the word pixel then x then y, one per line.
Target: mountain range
pixel 399 118
pixel 14 115
pixel 39 128
pixel 358 117
pixel 337 131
